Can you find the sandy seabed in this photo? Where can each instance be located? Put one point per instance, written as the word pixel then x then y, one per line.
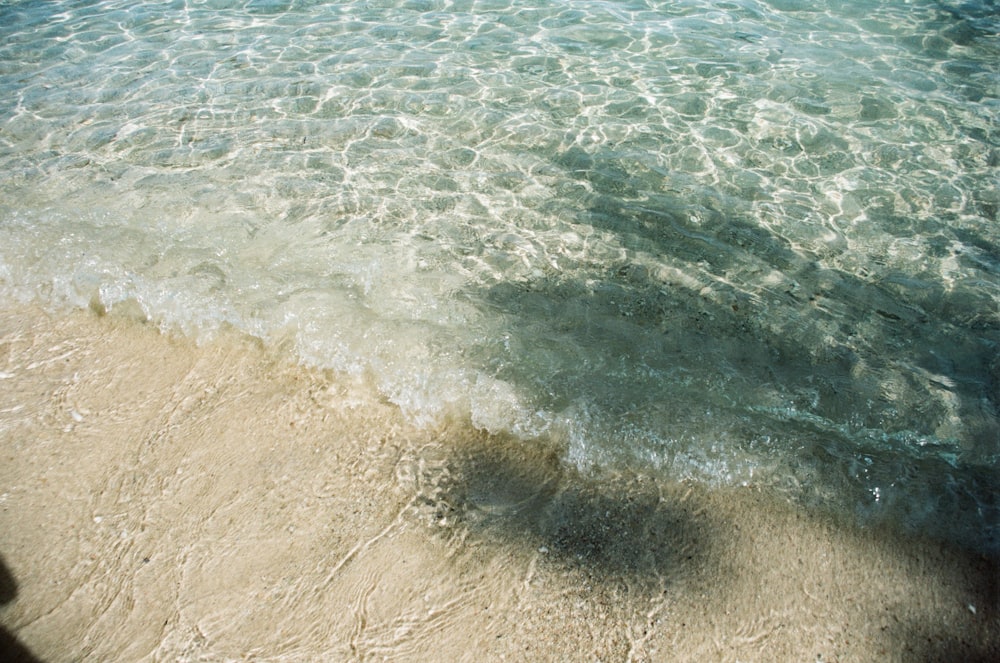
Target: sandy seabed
pixel 164 501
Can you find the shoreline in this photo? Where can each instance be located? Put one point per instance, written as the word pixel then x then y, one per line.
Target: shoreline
pixel 162 501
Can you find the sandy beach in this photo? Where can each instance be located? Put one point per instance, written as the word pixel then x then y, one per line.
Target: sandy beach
pixel 170 502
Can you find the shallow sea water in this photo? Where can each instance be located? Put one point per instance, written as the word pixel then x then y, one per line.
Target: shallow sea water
pixel 730 242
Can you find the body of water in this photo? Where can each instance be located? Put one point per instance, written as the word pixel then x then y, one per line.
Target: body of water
pixel 729 242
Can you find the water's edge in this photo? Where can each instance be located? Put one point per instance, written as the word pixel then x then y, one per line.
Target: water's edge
pixel 750 243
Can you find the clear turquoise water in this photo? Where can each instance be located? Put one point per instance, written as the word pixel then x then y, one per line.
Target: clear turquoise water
pixel 731 242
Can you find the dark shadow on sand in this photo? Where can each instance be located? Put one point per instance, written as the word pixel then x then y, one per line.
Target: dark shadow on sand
pixel 614 529
pixel 633 536
pixel 935 643
pixel 11 649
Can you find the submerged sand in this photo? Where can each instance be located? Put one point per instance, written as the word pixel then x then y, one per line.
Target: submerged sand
pixel 162 501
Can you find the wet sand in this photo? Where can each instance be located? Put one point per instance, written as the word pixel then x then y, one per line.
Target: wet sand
pixel 162 501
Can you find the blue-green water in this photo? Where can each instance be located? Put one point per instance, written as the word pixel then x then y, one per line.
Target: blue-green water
pixel 730 242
